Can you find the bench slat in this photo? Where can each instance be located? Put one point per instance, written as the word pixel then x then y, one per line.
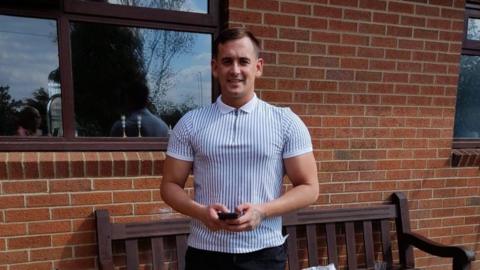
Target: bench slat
pixel 181 241
pixel 131 248
pixel 312 245
pixel 350 241
pixel 158 253
pixel 386 243
pixel 331 243
pixel 292 248
pixel 368 243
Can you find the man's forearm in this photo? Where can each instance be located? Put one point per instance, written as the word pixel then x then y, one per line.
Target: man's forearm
pixel 178 199
pixel 298 197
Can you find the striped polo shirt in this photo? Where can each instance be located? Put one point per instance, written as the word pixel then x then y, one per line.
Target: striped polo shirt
pixel 237 157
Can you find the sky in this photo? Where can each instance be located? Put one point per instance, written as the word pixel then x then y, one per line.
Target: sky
pixel 29 52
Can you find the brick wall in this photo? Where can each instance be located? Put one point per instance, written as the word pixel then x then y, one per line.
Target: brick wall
pixel 374 80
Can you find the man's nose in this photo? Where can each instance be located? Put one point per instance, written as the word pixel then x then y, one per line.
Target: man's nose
pixel 235 68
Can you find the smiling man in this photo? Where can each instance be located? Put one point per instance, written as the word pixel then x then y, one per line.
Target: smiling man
pixel 239 148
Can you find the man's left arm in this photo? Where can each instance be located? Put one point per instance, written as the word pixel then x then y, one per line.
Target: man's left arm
pixel 302 172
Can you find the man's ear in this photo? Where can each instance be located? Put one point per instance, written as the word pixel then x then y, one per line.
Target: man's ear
pixel 259 67
pixel 214 65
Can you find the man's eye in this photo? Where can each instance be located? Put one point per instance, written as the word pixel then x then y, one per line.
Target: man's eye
pixel 244 62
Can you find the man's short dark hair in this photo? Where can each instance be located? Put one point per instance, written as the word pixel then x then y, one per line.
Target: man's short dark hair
pixel 230 34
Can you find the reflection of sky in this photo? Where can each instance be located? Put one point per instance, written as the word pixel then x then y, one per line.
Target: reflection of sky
pixel 199 6
pixel 28 53
pixel 473 29
pixel 193 73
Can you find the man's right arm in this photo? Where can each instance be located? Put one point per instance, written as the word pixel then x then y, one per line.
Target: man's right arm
pixel 175 174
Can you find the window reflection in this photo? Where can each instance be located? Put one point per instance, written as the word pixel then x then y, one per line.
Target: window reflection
pixel 136 82
pixel 467 124
pixel 29 54
pixel 197 6
pixel 473 31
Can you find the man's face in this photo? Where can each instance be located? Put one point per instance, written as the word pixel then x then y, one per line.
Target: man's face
pixel 236 67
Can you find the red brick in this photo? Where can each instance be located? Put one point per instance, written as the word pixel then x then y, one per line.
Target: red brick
pixel 263 31
pixel 295 8
pixel 427 10
pixel 327 12
pixel 322 37
pixel 32 266
pixel 9 202
pixel 400 7
pixel 118 209
pixel 245 16
pixel 72 212
pixel 312 23
pixel 371 52
pixel 339 75
pixel 373 4
pixel 133 164
pixel 47 200
pixel 49 227
pixel 310 73
pixel 51 254
pixel 29 242
pixel 292 59
pixel 46 165
pixel 342 26
pixel 323 85
pixel 399 31
pixel 77 263
pixel 357 15
pixel 14 166
pixel 368 76
pixel 279 46
pixel 267 5
pixel 386 18
pixel 91 164
pixel 13 257
pixel 61 165
pixel 26 215
pixel 119 163
pixel 131 196
pixel 91 198
pixel 105 164
pixel 70 185
pixel 277 96
pixel 280 20
pixel 410 44
pixel 12 230
pixel 24 187
pixel 73 239
pixel 30 163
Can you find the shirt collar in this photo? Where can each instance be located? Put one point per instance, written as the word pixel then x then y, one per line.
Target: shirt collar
pixel 248 107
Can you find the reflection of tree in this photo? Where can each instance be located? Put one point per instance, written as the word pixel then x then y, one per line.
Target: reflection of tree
pixel 171 112
pixel 105 59
pixel 8 110
pixel 467 119
pixel 473 31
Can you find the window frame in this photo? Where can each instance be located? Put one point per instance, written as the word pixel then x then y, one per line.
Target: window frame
pixel 469 47
pixel 67 11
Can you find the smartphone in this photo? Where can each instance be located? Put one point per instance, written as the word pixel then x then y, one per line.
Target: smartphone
pixel 225 216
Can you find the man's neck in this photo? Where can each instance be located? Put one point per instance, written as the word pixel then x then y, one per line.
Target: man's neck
pixel 237 103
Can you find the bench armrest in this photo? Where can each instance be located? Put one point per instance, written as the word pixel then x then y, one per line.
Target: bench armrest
pixel 461 257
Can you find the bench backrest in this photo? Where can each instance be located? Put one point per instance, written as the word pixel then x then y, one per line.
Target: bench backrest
pixel 302 224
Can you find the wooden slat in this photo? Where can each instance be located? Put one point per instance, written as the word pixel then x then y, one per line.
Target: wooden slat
pixel 368 243
pixel 292 248
pixel 131 248
pixel 350 241
pixel 104 239
pixel 323 216
pixel 181 241
pixel 312 245
pixel 386 243
pixel 158 253
pixel 332 243
pixel 149 229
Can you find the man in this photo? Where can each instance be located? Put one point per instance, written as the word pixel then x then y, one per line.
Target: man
pixel 240 148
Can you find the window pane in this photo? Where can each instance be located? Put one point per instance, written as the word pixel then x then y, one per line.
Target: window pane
pixel 473 32
pixel 126 72
pixel 29 77
pixel 197 6
pixel 467 117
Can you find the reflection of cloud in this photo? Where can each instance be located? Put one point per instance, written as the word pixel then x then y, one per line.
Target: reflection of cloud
pixel 28 54
pixel 203 58
pixel 192 83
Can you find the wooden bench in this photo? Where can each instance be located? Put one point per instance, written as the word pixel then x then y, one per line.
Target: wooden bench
pixel 364 235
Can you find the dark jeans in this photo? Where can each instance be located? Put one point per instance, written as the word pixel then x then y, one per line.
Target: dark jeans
pixel 265 259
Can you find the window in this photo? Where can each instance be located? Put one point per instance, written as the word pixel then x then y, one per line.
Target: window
pixel 102 75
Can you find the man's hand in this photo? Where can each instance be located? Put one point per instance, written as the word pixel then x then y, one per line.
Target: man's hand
pixel 209 216
pixel 250 219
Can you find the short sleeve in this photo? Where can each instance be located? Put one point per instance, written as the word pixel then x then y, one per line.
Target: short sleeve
pixel 297 138
pixel 179 143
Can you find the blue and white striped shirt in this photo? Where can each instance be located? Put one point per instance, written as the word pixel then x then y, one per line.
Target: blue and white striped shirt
pixel 237 158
